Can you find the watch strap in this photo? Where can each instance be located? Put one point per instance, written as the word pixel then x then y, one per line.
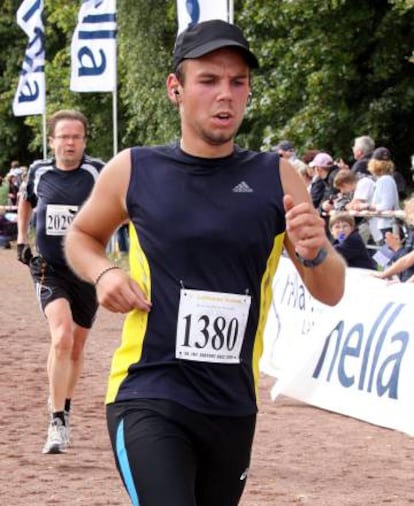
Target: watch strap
pixel 320 257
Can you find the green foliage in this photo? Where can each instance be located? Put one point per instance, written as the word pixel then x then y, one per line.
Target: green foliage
pixel 330 70
pixel 4 191
pixel 145 56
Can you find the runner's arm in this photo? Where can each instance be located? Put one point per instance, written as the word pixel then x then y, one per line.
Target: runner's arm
pixel 87 238
pixel 24 214
pixel 306 235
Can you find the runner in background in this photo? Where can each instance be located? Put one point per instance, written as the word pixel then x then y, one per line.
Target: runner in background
pixel 57 188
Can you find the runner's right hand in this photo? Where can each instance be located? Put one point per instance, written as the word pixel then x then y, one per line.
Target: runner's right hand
pixel 24 253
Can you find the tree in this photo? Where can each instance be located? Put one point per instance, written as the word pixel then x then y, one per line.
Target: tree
pixel 330 70
pixel 15 134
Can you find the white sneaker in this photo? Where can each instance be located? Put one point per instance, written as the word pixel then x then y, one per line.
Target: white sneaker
pixel 67 419
pixel 56 437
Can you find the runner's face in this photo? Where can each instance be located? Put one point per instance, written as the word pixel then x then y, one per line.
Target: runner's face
pixel 212 102
pixel 68 143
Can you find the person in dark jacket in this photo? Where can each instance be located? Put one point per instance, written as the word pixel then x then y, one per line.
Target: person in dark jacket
pixel 362 150
pixel 348 242
pixel 322 188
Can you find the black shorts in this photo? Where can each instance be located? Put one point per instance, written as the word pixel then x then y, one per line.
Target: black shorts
pixel 169 455
pixel 53 283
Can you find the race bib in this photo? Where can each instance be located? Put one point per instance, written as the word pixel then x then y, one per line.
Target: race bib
pixel 58 218
pixel 211 326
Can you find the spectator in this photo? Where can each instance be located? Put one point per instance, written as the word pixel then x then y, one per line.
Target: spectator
pixel 5 230
pixel 385 197
pixel 16 171
pixel 309 155
pixel 286 150
pixel 345 183
pixel 402 264
pixel 23 182
pixel 398 244
pixel 122 235
pixel 357 191
pixel 409 223
pixel 307 175
pixel 401 269
pixel 306 171
pixel 401 183
pixel 362 150
pixel 348 242
pixel 13 189
pixel 322 188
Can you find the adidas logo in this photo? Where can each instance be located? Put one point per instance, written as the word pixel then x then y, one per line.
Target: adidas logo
pixel 242 187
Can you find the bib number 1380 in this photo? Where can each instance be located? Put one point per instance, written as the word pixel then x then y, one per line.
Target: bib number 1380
pixel 211 326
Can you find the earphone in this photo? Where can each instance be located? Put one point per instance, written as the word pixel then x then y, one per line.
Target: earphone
pixel 249 98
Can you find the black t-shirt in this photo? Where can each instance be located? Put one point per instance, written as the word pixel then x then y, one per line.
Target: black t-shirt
pixel 57 196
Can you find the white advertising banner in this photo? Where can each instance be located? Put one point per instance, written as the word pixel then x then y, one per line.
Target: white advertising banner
pixel 356 358
pixel 30 95
pixel 190 12
pixel 93 49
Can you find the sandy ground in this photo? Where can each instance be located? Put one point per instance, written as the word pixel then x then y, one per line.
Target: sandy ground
pixel 302 455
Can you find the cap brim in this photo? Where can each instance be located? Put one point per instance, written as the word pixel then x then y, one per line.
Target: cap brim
pixel 219 44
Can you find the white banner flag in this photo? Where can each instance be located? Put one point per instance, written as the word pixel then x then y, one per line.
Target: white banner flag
pixel 93 49
pixel 190 12
pixel 30 95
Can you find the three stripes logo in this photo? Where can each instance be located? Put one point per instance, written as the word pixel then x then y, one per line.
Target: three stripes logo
pixel 242 187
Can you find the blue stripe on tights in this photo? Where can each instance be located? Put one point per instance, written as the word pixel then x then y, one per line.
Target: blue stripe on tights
pixel 122 456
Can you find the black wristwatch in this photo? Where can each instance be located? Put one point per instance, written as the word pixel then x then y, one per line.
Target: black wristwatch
pixel 320 257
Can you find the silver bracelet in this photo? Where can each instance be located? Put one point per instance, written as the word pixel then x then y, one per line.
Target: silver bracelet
pixel 107 269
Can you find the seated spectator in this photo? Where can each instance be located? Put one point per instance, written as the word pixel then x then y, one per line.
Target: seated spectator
pixel 348 242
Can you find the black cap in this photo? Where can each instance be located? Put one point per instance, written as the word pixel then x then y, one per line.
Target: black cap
pixel 381 154
pixel 284 146
pixel 203 38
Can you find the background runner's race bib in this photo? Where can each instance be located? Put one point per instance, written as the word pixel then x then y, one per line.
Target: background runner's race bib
pixel 211 326
pixel 58 218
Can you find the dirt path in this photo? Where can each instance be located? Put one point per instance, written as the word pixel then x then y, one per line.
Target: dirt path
pixel 302 455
